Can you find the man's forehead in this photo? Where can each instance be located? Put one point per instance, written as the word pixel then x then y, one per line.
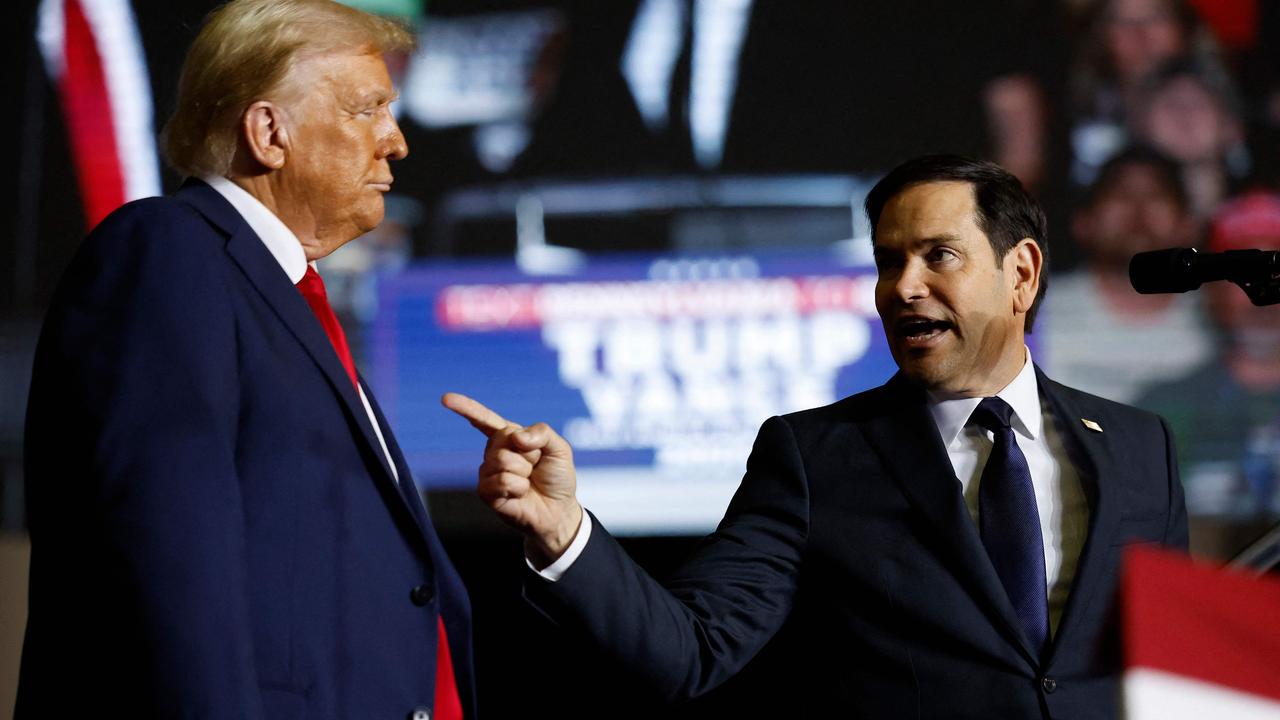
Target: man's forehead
pixel 354 73
pixel 928 210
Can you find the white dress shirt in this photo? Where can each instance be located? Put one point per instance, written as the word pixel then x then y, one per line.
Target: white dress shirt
pixel 285 247
pixel 1060 499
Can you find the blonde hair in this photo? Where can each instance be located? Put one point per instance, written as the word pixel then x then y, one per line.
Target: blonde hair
pixel 243 53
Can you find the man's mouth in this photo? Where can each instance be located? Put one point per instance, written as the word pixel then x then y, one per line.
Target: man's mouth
pixel 921 331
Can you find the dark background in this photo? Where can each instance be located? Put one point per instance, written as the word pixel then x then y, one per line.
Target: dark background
pixel 828 87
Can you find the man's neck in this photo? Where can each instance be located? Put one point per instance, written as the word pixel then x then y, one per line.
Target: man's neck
pixel 269 192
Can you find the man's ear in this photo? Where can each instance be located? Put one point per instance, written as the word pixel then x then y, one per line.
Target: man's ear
pixel 1025 261
pixel 265 135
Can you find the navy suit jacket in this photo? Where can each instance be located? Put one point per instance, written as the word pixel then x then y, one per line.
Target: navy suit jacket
pixel 850 534
pixel 215 530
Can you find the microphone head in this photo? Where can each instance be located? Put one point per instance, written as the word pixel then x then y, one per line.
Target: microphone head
pixel 1163 271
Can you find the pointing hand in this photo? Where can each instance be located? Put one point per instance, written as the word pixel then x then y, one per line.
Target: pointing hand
pixel 527 478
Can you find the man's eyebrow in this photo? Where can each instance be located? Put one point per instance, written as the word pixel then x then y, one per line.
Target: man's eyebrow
pixel 927 242
pixel 939 239
pixel 375 97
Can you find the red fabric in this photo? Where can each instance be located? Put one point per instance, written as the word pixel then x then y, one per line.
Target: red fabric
pixel 1249 221
pixel 86 106
pixel 312 289
pixel 448 705
pixel 1200 622
pixel 1234 22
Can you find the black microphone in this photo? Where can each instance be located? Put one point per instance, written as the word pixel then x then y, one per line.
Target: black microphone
pixel 1182 269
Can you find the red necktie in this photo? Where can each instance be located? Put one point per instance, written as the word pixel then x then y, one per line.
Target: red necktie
pixel 448 704
pixel 312 289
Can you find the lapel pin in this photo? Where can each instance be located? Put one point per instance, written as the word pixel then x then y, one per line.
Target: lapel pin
pixel 1091 425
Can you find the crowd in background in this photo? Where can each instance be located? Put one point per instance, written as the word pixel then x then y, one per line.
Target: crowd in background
pixel 1140 124
pixel 1174 116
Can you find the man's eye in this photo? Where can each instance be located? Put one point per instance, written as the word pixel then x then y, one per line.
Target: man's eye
pixel 941 254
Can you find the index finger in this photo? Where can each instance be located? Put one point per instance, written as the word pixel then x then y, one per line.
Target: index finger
pixel 480 417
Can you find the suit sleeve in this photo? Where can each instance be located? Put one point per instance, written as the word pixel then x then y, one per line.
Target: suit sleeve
pixel 720 607
pixel 1176 533
pixel 133 409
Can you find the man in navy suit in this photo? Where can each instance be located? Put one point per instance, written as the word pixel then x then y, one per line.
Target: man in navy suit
pixel 222 523
pixel 945 545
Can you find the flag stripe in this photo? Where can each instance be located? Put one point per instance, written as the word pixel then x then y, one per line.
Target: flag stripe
pixel 1201 622
pixel 1156 695
pixel 129 89
pixel 87 110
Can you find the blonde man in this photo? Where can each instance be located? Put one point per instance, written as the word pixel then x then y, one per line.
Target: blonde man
pixel 222 523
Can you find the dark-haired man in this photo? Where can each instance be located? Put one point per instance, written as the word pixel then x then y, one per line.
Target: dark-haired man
pixel 945 545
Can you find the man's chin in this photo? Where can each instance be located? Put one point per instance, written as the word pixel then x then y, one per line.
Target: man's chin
pixel 933 376
pixel 921 372
pixel 371 219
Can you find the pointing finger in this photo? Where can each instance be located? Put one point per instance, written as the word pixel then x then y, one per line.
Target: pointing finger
pixel 480 417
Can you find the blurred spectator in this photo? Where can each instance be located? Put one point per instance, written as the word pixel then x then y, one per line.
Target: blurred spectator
pixel 1101 336
pixel 1190 111
pixel 1226 414
pixel 1123 41
pixel 739 86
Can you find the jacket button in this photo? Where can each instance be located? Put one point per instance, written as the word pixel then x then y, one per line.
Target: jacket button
pixel 1049 684
pixel 422 595
pixel 420 714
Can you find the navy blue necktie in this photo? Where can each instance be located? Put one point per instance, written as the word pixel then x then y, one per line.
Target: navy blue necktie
pixel 1010 522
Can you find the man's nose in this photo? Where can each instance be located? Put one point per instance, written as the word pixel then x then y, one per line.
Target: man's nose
pixel 393 145
pixel 910 285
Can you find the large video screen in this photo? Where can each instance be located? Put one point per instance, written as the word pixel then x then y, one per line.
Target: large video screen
pixel 657 369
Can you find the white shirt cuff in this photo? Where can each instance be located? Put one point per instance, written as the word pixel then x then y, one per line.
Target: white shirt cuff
pixel 555 570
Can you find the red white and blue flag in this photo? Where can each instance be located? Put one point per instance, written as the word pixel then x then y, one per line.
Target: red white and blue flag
pixel 1200 642
pixel 93 55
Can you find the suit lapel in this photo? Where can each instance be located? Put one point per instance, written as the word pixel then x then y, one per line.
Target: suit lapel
pixel 906 439
pixel 408 487
pixel 1088 451
pixel 267 277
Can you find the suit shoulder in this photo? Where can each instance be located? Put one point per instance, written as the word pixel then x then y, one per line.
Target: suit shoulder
pixel 1102 406
pixel 154 225
pixel 154 247
pixel 853 409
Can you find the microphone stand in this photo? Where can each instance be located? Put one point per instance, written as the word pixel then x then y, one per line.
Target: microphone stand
pixel 1262 287
pixel 1261 555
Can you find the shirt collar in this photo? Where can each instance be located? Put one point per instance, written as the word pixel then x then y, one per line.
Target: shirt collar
pixel 283 245
pixel 1022 394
